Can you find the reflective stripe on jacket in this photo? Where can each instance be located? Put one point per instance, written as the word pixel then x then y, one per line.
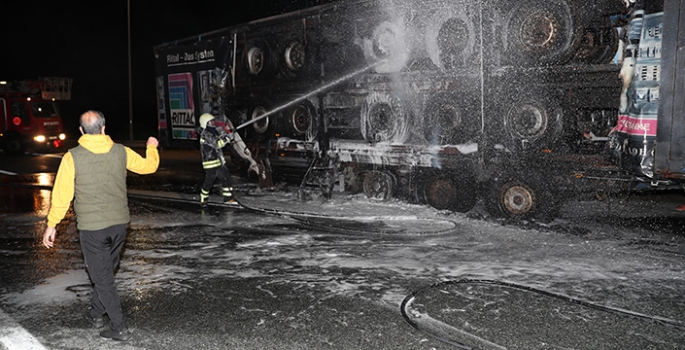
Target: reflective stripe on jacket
pixel 212 140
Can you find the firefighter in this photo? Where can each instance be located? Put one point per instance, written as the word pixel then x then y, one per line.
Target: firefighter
pixel 212 141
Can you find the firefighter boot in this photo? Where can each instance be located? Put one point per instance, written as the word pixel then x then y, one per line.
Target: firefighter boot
pixel 228 196
pixel 204 195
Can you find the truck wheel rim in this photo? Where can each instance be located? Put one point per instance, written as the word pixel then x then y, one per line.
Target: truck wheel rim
pixel 294 56
pixel 255 60
pixel 387 48
pixel 378 185
pixel 384 118
pixel 538 31
pixel 262 125
pixel 440 193
pixel 527 121
pixel 447 123
pixel 300 120
pixel 452 40
pixel 518 200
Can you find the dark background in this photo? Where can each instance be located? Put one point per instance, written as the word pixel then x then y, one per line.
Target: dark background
pixel 88 41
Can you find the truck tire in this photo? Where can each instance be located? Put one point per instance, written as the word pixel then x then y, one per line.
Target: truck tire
pixel 532 122
pixel 451 119
pixel 599 46
pixel 520 197
pixel 265 128
pixel 301 121
pixel 451 39
pixel 379 185
pixel 259 61
pixel 387 49
pixel 455 192
pixel 542 32
pixel 294 56
pixel 384 118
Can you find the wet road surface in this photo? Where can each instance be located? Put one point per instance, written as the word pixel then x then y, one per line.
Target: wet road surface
pixel 281 273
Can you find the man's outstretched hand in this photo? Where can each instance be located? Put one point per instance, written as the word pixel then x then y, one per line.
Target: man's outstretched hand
pixel 49 237
pixel 152 141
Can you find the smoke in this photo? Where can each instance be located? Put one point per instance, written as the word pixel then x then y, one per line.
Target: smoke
pixel 388 43
pixel 420 43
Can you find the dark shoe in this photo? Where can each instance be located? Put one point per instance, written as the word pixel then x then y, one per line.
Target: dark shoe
pixel 203 204
pixel 120 336
pixel 97 322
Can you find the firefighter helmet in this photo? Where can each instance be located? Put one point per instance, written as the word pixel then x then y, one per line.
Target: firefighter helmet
pixel 204 119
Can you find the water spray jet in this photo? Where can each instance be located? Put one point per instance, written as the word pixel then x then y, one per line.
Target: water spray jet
pixel 310 94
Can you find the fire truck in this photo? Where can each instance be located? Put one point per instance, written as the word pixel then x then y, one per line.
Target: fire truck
pixel 520 104
pixel 29 117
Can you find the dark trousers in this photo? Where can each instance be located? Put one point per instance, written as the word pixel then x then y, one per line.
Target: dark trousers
pixel 101 250
pixel 221 173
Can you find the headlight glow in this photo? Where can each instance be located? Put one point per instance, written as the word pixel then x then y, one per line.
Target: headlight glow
pixel 40 138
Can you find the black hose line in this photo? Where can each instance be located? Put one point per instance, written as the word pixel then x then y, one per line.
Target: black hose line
pixel 410 298
pixel 407 300
pixel 305 218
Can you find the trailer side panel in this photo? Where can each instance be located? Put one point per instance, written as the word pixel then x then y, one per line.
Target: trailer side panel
pixel 670 149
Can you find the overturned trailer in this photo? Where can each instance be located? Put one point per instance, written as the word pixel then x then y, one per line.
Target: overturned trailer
pixel 440 102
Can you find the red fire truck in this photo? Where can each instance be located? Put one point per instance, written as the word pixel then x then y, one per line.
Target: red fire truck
pixel 29 117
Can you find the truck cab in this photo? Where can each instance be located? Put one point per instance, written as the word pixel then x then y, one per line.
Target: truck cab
pixel 29 121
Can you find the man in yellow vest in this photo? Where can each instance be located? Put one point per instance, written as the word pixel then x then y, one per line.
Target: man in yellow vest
pixel 94 176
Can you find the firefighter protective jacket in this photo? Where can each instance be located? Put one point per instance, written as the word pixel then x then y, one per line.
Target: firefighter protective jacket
pixel 212 140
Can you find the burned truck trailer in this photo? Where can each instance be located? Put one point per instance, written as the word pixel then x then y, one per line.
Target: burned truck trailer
pixel 440 102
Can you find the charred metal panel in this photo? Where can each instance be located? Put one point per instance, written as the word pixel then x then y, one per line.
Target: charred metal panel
pixel 398 155
pixel 670 149
pixel 418 83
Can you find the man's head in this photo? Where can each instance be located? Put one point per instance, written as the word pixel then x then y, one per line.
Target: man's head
pixel 92 122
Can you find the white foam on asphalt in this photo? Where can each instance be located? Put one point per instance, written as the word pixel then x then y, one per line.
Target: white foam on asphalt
pixel 54 290
pixel 14 337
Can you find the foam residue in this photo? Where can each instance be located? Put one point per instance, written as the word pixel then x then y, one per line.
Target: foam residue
pixel 54 290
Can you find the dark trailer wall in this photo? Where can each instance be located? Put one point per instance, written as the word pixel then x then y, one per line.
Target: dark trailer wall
pixel 462 40
pixel 185 75
pixel 200 74
pixel 670 150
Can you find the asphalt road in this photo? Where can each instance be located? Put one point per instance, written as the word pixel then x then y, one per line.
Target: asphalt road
pixel 281 273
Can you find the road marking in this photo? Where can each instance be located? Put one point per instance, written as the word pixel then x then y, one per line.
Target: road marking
pixel 33 154
pixel 46 155
pixel 14 337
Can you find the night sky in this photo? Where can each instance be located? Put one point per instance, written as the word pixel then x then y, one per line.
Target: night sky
pixel 89 43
